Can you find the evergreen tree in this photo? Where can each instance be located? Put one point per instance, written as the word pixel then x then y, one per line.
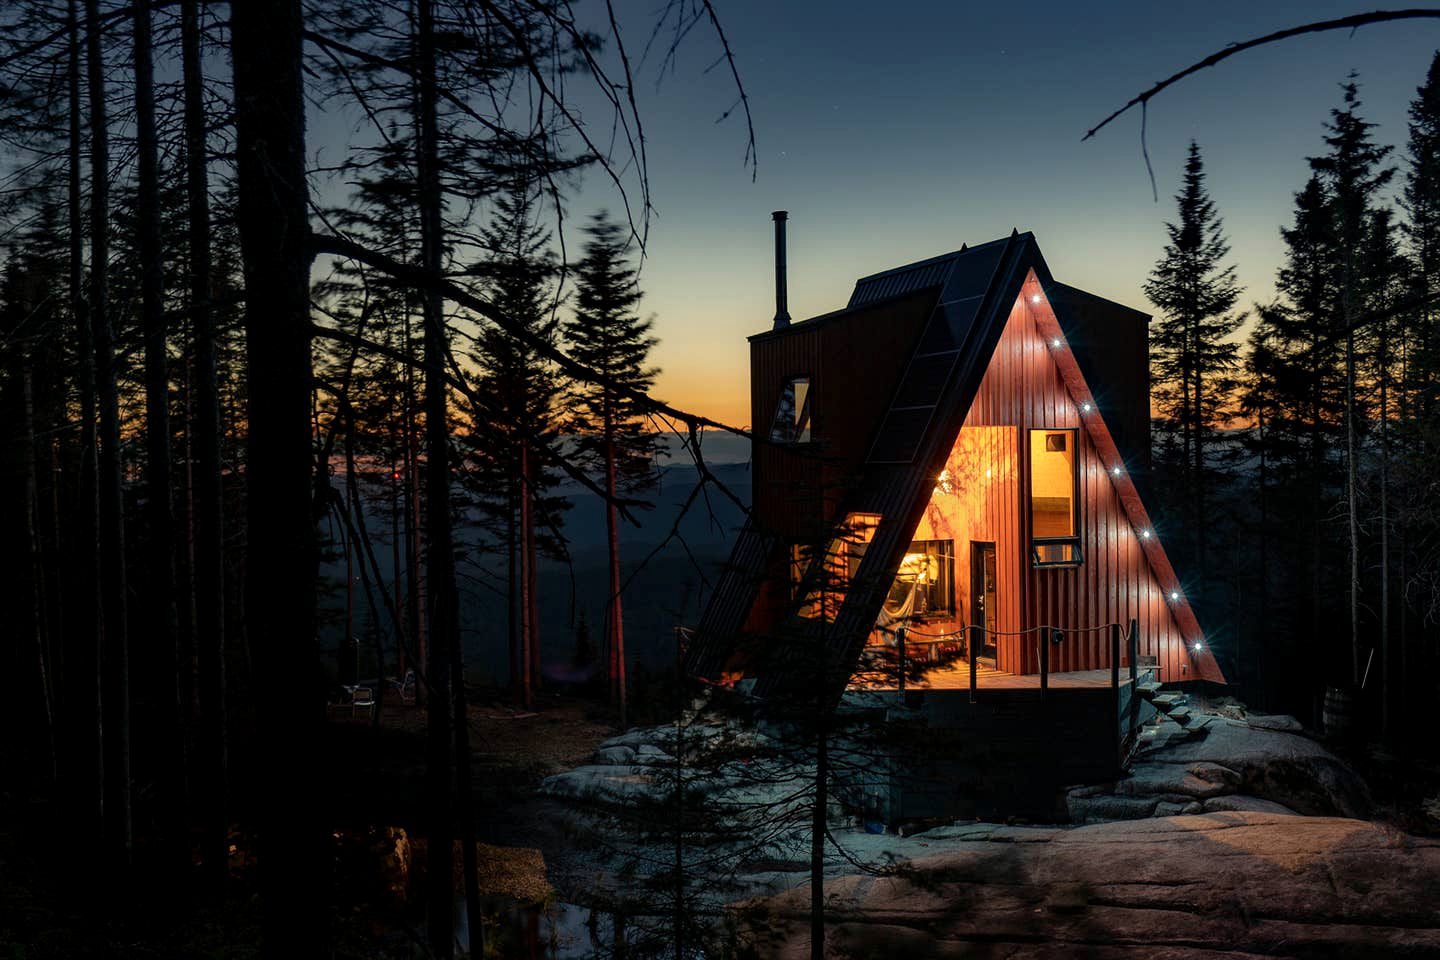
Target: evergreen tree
pixel 1195 358
pixel 1294 377
pixel 1353 173
pixel 612 433
pixel 513 481
pixel 1420 200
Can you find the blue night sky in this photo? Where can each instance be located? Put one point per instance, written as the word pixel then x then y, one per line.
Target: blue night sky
pixel 893 132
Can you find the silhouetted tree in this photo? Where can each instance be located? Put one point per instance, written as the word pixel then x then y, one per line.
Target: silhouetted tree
pixel 1195 359
pixel 611 432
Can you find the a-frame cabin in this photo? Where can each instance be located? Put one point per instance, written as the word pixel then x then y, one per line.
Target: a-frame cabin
pixel 946 470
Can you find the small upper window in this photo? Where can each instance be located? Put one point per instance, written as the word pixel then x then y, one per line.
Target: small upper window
pixel 1054 500
pixel 792 416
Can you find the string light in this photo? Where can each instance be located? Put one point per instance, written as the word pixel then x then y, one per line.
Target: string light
pixel 1035 298
pixel 1055 342
pixel 1115 471
pixel 1085 407
pixel 1145 534
pixel 1197 648
pixel 1174 594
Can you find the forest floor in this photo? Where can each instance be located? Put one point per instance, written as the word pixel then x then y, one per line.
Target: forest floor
pixel 375 779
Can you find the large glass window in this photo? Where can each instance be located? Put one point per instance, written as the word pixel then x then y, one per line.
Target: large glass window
pixel 1054 498
pixel 792 414
pixel 925 583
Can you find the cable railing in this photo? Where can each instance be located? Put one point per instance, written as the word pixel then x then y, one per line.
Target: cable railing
pixel 974 635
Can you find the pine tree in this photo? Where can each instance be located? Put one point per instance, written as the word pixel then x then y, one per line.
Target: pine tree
pixel 1297 368
pixel 1420 200
pixel 514 481
pixel 612 434
pixel 1353 173
pixel 1196 358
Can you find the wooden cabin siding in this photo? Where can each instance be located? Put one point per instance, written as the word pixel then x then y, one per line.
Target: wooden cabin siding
pixel 854 360
pixel 1023 389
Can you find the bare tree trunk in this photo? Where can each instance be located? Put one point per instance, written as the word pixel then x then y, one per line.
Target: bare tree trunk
pixel 439 557
pixel 1384 530
pixel 817 842
pixel 512 595
pixel 615 617
pixel 273 211
pixel 1352 502
pixel 116 670
pixel 532 571
pixel 164 689
pixel 211 765
pixel 527 556
pixel 83 684
pixel 465 806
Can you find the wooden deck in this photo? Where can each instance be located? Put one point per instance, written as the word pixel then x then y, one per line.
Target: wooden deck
pixel 956 676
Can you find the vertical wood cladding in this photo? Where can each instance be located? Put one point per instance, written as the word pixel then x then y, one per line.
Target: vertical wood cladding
pixel 1022 390
pixel 854 359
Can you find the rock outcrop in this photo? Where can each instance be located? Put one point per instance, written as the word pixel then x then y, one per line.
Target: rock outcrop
pixel 1224 760
pixel 1228 884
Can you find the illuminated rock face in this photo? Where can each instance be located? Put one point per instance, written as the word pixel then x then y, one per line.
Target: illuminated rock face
pixel 1185 887
pixel 1226 762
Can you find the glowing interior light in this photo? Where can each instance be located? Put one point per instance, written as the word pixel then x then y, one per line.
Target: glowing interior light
pixel 987 474
pixel 1174 594
pixel 1085 407
pixel 1055 343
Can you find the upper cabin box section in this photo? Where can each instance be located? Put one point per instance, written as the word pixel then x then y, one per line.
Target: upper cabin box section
pixel 821 388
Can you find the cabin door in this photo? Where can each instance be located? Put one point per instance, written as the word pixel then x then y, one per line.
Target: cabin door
pixel 984 608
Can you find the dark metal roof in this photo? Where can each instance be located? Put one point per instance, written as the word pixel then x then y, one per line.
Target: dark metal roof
pixel 934 272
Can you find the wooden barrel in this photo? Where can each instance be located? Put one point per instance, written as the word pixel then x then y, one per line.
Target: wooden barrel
pixel 1339 712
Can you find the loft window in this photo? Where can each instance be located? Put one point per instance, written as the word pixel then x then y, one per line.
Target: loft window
pixel 792 415
pixel 925 583
pixel 1054 499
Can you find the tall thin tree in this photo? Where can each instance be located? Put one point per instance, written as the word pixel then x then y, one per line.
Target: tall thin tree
pixel 613 435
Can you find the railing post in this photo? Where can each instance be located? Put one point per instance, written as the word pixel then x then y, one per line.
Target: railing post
pixel 1115 656
pixel 976 632
pixel 1044 662
pixel 900 649
pixel 1134 675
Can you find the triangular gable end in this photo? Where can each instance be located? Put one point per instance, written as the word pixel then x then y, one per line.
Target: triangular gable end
pixel 927 412
pixel 1033 380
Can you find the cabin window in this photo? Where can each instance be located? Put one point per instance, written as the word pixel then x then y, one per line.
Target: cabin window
pixel 1054 498
pixel 925 583
pixel 792 415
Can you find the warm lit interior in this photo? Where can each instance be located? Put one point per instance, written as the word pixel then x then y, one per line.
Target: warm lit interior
pixel 1052 483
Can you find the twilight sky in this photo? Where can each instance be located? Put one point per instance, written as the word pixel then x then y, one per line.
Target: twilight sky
pixel 896 131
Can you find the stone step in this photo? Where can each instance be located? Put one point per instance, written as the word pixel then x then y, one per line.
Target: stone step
pixel 1179 714
pixel 1168 701
pixel 1149 689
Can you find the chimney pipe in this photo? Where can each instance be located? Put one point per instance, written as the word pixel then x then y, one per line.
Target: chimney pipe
pixel 782 313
